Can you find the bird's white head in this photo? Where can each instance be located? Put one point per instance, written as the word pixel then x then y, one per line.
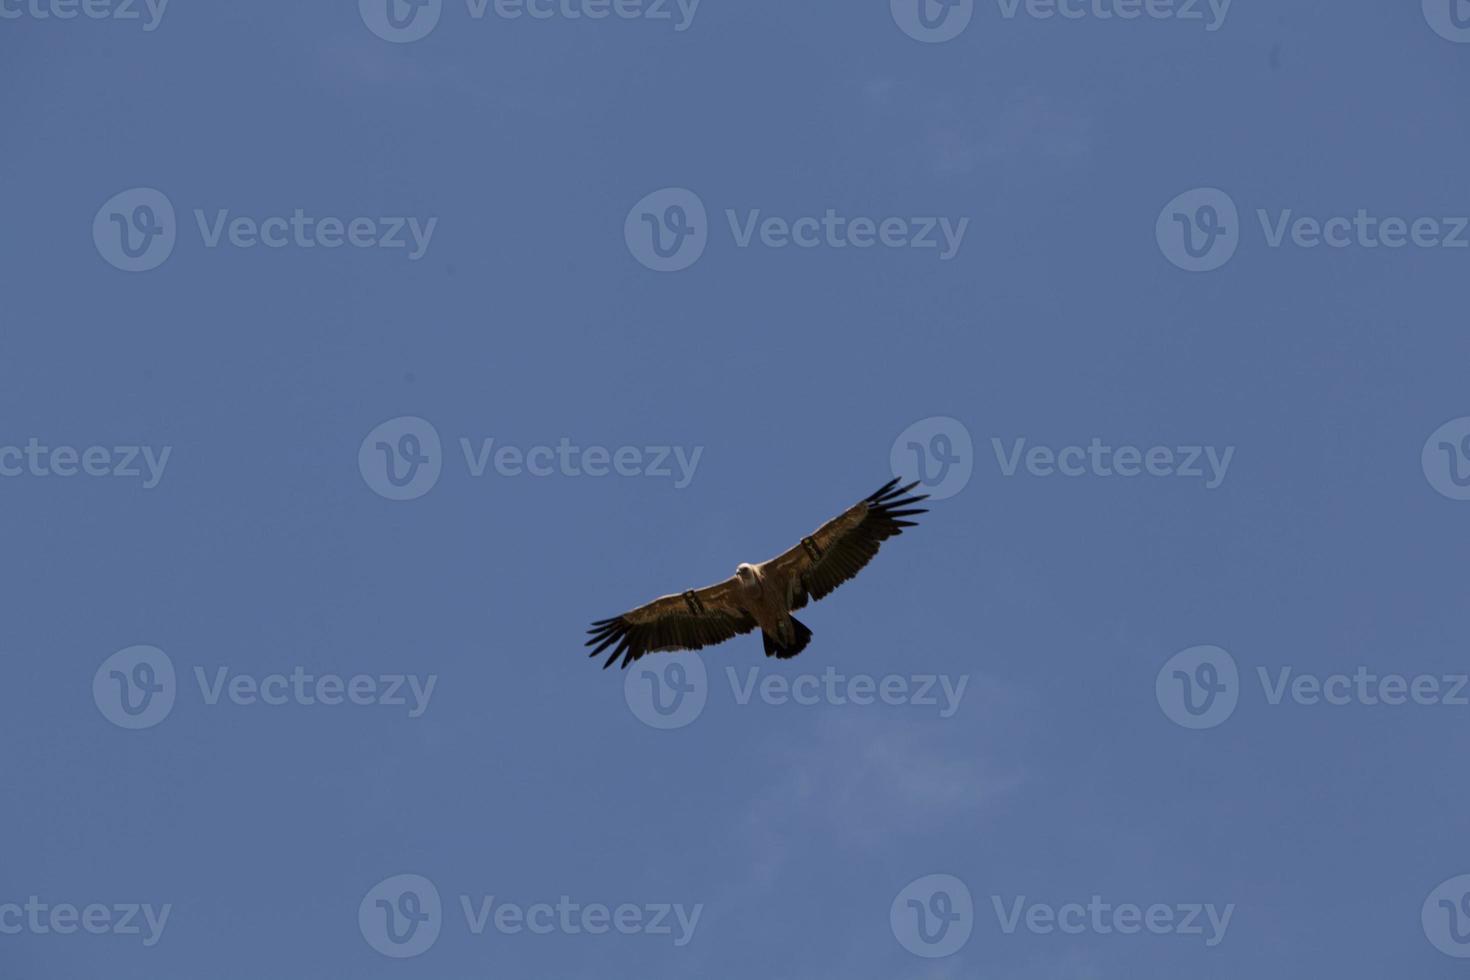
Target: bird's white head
pixel 746 575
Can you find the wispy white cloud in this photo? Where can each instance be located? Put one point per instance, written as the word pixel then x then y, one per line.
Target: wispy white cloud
pixel 959 134
pixel 357 59
pixel 1074 965
pixel 864 777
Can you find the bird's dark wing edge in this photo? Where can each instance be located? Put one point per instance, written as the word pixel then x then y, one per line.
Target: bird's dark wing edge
pixel 685 621
pixel 844 545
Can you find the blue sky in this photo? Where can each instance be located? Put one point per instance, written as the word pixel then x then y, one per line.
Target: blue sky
pixel 524 164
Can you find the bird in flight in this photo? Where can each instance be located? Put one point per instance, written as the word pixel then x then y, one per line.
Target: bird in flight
pixel 763 595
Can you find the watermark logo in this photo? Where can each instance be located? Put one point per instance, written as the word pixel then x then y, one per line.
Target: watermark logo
pixel 1199 230
pixel 1199 688
pixel 402 458
pixel 670 691
pixel 668 230
pixel 937 452
pixel 1446 917
pixel 400 21
pixel 932 21
pixel 136 230
pixel 1446 459
pixel 1449 18
pixel 401 916
pixel 667 691
pixel 135 688
pixel 403 21
pixel 933 916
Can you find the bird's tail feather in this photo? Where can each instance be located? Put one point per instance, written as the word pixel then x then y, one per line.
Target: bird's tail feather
pixel 801 637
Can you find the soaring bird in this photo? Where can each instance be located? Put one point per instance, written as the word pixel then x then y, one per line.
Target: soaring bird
pixel 763 595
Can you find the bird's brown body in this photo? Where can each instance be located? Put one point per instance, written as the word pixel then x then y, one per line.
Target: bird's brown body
pixel 759 598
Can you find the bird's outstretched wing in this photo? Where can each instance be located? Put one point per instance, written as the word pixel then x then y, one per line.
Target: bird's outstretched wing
pixel 839 549
pixel 684 621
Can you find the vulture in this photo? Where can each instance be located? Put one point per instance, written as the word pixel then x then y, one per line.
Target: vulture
pixel 763 595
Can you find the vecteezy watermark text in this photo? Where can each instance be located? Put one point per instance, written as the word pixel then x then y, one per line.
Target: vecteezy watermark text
pixel 137 688
pixel 936 21
pixel 1201 229
pixel 573 918
pixel 402 459
pixel 570 460
pixel 404 21
pixel 40 918
pixel 1097 459
pixel 137 230
pixel 36 459
pixel 306 231
pixel 668 231
pixel 831 687
pixel 1102 918
pixel 1201 687
pixel 934 916
pixel 939 454
pixel 833 230
pixel 149 12
pixel 303 688
pixel 403 916
pixel 670 690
